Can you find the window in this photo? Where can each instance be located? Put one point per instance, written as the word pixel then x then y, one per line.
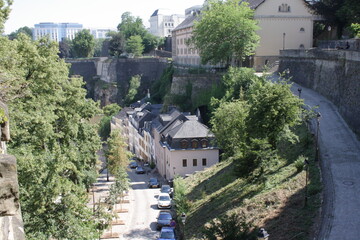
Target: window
pixel 194 143
pixel 204 143
pixel 184 163
pixel 204 161
pixel 302 30
pixel 184 144
pixel 194 162
pixel 284 8
pixel 301 46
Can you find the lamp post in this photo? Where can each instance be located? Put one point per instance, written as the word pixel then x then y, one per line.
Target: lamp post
pixel 329 36
pixel 183 220
pixel 262 234
pixel 284 35
pixel 299 90
pixel 318 116
pixel 306 165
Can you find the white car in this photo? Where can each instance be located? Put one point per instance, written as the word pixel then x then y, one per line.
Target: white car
pixel 164 200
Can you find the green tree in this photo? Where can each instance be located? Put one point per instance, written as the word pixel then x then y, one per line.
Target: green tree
pixel 116 44
pixel 111 109
pixel 83 44
pixel 98 47
pixel 117 154
pixel 65 48
pixel 4 12
pixel 131 26
pixel 273 111
pixel 52 139
pixel 229 126
pixel 133 89
pixel 134 45
pixel 225 32
pixel 151 42
pixel 24 30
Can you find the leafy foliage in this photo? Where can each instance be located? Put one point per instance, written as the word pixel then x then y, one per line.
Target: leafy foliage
pixel 229 227
pixel 25 30
pixel 162 86
pixel 65 48
pixel 131 26
pixel 134 45
pixel 111 109
pixel 117 44
pixel 4 12
pixel 182 204
pixel 52 140
pixel 83 44
pixel 133 88
pixel 226 32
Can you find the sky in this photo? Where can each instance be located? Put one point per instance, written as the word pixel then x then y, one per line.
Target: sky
pixel 90 13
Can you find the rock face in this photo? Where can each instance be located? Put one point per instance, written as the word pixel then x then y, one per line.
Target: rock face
pixel 332 73
pixel 11 224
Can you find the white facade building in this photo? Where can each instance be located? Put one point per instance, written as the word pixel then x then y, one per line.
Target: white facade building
pixel 162 22
pixel 56 31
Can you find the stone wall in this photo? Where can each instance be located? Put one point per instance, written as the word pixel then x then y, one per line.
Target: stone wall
pixel 102 75
pixel 334 74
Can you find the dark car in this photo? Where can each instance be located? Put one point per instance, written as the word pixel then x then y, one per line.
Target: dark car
pixel 166 189
pixel 167 233
pixel 153 182
pixel 139 170
pixel 133 164
pixel 164 218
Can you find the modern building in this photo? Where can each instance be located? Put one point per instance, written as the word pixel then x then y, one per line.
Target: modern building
pixel 178 143
pixel 162 22
pixel 284 24
pixel 100 33
pixel 56 31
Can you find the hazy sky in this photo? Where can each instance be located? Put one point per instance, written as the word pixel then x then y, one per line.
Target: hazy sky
pixel 90 13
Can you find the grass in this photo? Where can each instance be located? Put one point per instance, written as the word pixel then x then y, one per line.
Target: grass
pixel 275 202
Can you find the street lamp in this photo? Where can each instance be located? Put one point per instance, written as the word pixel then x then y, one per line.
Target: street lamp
pixel 262 234
pixel 306 163
pixel 299 90
pixel 318 116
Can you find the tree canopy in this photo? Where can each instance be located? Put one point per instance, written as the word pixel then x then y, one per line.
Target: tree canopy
pixel 134 45
pixel 26 30
pixel 4 12
pixel 83 44
pixel 225 32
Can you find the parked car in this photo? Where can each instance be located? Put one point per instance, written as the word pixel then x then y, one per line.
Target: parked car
pixel 133 164
pixel 166 189
pixel 167 233
pixel 164 218
pixel 164 200
pixel 153 182
pixel 139 170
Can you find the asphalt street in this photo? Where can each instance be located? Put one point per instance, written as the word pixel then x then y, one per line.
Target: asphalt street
pixel 340 165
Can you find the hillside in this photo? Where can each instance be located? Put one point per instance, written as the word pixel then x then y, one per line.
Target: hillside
pixel 276 201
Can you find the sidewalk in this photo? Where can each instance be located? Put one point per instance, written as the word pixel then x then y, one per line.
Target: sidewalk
pixel 340 165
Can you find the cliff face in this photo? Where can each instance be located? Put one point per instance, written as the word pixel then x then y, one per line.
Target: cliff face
pixel 11 224
pixel 332 73
pixel 107 79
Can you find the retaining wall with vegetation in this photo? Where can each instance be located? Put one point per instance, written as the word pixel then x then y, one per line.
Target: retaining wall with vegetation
pixel 333 73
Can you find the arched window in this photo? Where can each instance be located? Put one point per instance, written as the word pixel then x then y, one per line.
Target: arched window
pixel 184 144
pixel 302 29
pixel 194 143
pixel 284 8
pixel 301 46
pixel 204 143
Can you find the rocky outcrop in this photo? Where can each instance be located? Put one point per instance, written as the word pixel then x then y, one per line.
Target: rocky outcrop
pixel 332 73
pixel 11 224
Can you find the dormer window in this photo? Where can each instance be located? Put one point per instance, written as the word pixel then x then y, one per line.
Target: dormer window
pixel 302 29
pixel 204 143
pixel 184 144
pixel 194 143
pixel 284 8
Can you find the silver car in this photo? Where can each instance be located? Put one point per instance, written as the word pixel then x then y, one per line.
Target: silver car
pixel 164 200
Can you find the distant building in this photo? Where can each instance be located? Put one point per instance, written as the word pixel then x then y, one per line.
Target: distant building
pixel 162 22
pixel 56 31
pixel 100 33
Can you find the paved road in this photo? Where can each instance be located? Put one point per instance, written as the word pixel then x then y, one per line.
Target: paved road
pixel 141 221
pixel 340 164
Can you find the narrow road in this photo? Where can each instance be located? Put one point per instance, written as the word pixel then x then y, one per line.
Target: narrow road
pixel 340 165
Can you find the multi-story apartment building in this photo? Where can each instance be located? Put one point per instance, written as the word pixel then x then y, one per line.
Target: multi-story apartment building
pixel 56 31
pixel 284 24
pixel 162 22
pixel 100 33
pixel 176 142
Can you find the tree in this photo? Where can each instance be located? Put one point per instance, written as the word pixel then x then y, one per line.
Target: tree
pixel 98 47
pixel 117 154
pixel 273 111
pixel 65 48
pixel 117 44
pixel 134 45
pixel 25 30
pixel 131 26
pixel 133 88
pixel 52 139
pixel 225 32
pixel 151 42
pixel 229 126
pixel 83 44
pixel 4 12
pixel 111 109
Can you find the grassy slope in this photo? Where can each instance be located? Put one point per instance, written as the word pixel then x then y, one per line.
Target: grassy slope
pixel 275 203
